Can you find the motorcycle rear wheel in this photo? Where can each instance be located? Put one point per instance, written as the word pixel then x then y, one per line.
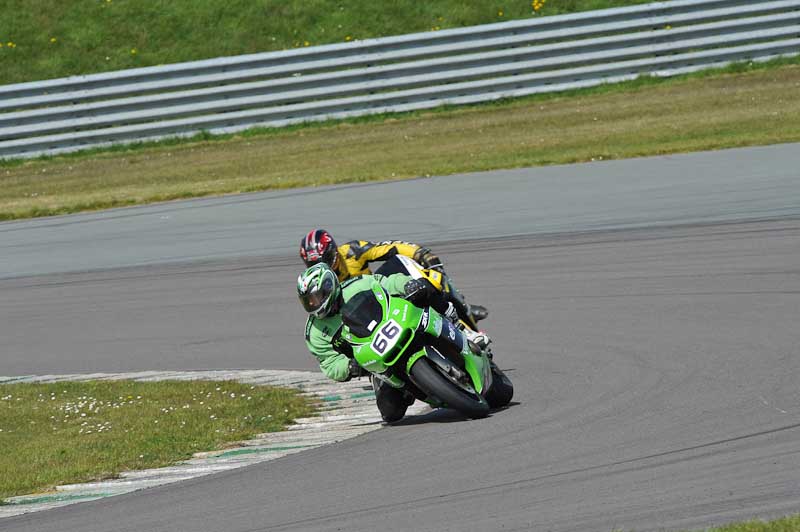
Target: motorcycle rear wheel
pixel 429 379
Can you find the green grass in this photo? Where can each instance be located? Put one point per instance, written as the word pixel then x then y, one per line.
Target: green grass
pixel 53 434
pixel 786 524
pixel 44 39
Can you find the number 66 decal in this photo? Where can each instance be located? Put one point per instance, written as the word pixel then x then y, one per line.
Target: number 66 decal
pixel 386 338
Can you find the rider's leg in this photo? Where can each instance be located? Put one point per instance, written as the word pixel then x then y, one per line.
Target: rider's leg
pixel 392 402
pixel 468 312
pixel 474 336
pixel 452 341
pixel 392 265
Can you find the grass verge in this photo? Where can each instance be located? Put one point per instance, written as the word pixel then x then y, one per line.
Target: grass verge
pixel 42 39
pixel 71 432
pixel 786 524
pixel 644 117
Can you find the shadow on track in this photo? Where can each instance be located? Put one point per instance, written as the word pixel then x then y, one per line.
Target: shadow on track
pixel 443 415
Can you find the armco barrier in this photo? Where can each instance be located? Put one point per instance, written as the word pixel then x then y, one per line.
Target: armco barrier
pixel 407 72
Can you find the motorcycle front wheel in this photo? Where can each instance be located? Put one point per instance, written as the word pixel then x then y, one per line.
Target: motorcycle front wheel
pixel 429 378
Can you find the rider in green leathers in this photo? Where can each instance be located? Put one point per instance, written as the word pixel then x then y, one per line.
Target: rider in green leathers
pixel 325 321
pixel 322 296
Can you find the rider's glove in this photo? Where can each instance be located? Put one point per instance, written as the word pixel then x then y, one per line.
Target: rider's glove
pixel 428 259
pixel 418 291
pixel 356 370
pixel 422 293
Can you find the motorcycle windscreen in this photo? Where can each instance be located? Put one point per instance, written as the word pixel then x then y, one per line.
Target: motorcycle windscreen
pixel 362 313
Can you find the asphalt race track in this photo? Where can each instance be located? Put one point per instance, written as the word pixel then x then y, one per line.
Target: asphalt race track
pixel 647 312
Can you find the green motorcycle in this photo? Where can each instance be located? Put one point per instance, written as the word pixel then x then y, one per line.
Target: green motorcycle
pixel 420 351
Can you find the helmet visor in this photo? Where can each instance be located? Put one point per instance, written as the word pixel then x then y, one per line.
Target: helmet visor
pixel 318 298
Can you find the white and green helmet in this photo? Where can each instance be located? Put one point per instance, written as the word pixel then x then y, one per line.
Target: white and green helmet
pixel 318 289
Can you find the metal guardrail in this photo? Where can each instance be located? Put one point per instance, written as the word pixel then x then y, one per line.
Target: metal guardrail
pixel 407 72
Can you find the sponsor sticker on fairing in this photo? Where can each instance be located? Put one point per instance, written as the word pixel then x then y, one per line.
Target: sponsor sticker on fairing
pixel 437 324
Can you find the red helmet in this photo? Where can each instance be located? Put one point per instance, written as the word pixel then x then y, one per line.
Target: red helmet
pixel 319 246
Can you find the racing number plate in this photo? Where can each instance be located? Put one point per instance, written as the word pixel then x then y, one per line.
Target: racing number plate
pixel 386 337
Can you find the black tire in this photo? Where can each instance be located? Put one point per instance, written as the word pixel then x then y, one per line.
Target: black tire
pixel 429 379
pixel 502 389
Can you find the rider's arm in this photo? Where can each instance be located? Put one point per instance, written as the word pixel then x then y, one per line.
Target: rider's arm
pixel 394 284
pixel 365 252
pixel 423 294
pixel 372 251
pixel 333 364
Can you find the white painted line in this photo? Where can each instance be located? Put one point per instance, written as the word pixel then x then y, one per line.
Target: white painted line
pixel 348 410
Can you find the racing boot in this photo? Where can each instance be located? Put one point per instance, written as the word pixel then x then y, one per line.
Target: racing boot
pixel 480 338
pixel 478 312
pixel 392 402
pixel 478 341
pixel 481 345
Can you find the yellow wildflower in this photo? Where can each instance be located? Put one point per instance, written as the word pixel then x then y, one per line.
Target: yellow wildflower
pixel 53 39
pixel 348 38
pixel 500 13
pixel 134 51
pixel 306 43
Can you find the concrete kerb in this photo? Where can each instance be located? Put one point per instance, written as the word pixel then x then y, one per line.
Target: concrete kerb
pixel 348 410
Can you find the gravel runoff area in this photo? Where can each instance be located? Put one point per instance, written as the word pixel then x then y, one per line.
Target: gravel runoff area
pixel 347 410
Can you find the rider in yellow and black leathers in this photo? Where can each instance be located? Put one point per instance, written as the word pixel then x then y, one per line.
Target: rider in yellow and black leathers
pixel 354 257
